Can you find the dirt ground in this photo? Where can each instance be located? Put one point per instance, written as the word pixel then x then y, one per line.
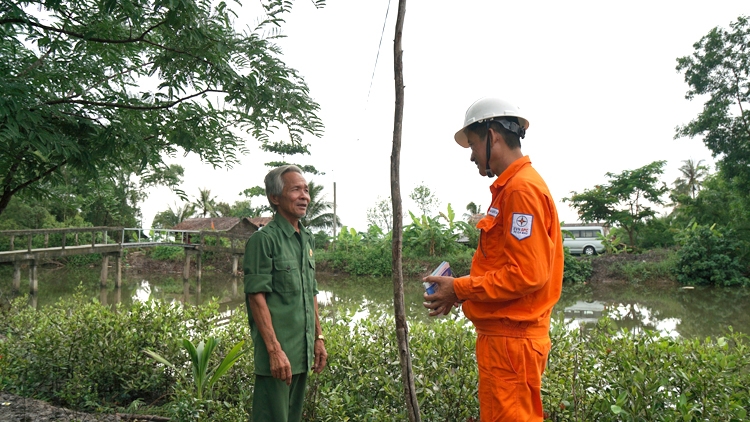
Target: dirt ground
pixel 20 409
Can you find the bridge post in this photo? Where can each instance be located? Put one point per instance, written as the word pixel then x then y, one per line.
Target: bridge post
pixel 118 270
pixel 186 268
pixel 235 260
pixel 16 276
pixel 33 281
pixel 200 265
pixel 105 268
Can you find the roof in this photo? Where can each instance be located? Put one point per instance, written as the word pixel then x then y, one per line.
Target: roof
pixel 259 221
pixel 211 223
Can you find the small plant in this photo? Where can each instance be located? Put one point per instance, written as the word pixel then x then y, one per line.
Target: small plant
pixel 203 378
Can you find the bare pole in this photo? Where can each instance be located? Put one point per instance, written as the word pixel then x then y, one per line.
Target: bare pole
pixel 402 331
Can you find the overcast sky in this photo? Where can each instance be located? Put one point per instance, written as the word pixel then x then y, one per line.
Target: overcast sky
pixel 596 80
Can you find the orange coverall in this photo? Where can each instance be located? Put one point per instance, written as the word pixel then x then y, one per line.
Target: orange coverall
pixel 515 280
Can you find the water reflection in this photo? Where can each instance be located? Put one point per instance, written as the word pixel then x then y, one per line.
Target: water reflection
pixel 667 309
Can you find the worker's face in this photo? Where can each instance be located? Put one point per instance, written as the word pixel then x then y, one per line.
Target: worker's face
pixel 478 152
pixel 294 198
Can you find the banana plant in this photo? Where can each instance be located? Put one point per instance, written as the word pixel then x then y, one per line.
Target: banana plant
pixel 203 377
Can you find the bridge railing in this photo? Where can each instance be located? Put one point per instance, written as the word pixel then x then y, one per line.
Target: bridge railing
pixel 14 240
pixel 162 236
pixel 218 241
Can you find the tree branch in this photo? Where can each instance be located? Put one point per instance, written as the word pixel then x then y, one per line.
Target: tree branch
pixel 739 101
pixel 129 40
pixel 129 106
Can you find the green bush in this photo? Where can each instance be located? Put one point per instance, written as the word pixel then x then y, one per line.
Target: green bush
pixel 708 255
pixel 167 253
pixel 78 353
pixel 639 271
pixel 609 375
pixel 87 356
pixel 84 260
pixel 577 270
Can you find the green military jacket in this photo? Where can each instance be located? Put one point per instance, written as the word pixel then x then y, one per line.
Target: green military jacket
pixel 280 263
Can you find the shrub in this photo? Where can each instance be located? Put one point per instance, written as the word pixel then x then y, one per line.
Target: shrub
pixel 711 256
pixel 167 253
pixel 80 354
pixel 577 270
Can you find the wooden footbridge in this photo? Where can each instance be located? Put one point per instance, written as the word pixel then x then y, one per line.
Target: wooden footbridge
pixel 31 247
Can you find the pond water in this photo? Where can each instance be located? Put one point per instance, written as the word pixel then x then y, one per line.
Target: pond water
pixel 668 309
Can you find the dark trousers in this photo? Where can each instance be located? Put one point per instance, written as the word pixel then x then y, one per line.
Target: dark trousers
pixel 274 401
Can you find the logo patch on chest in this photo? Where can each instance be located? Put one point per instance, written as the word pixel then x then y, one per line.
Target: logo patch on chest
pixel 521 227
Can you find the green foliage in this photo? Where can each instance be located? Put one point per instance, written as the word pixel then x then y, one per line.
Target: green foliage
pixel 86 356
pixel 322 240
pixel 78 353
pixel 428 236
pixel 381 215
pixel 425 199
pixel 363 382
pixel 173 216
pixel 577 270
pixel 639 271
pixel 613 242
pixel 609 375
pixel 319 213
pixel 74 96
pixel 204 377
pixel 625 200
pixel 167 253
pixel 355 255
pixel 83 260
pixel 718 69
pixel 658 232
pixel 708 255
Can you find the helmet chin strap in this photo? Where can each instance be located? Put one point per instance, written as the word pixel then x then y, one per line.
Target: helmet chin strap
pixel 488 170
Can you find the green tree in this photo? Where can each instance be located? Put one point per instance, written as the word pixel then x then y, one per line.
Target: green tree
pixel 244 208
pixel 719 69
pixel 173 216
pixel 692 178
pixel 625 200
pixel 425 199
pixel 472 209
pixel 318 210
pixel 99 82
pixel 204 202
pixel 381 215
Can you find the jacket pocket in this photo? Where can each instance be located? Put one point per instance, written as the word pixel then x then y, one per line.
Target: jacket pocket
pixel 286 276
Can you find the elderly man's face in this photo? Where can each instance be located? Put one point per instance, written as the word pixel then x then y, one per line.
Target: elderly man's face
pixel 294 198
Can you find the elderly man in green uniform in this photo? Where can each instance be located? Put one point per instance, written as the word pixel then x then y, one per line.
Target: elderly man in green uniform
pixel 280 291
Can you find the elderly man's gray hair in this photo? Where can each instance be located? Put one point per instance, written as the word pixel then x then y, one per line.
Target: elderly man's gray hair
pixel 274 182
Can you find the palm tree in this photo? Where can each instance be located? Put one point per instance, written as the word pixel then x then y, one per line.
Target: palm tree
pixel 204 202
pixel 692 177
pixel 318 211
pixel 172 217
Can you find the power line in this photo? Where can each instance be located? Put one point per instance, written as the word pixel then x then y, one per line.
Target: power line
pixel 378 53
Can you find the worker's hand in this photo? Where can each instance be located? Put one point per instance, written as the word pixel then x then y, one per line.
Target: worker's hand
pixel 320 357
pixel 442 301
pixel 280 366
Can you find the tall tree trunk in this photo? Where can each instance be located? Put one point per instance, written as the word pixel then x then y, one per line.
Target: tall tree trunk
pixel 402 332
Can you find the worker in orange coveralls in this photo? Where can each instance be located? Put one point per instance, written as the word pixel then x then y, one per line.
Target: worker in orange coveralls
pixel 517 270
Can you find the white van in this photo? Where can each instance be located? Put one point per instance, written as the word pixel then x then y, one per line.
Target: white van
pixel 585 239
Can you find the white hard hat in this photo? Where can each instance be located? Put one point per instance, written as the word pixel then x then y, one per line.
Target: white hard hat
pixel 488 108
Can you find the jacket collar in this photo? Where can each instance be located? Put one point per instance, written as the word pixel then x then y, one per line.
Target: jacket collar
pixel 286 227
pixel 511 171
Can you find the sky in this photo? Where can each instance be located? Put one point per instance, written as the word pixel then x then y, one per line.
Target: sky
pixel 596 80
